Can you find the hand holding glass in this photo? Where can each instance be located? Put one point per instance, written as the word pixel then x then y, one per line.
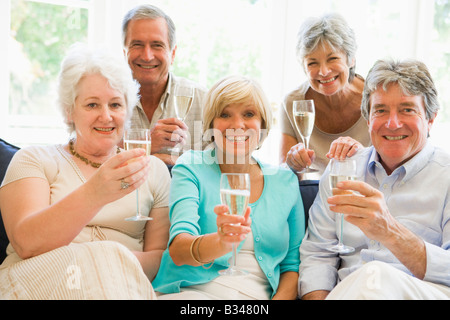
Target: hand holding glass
pixel 235 193
pixel 304 115
pixel 133 139
pixel 341 170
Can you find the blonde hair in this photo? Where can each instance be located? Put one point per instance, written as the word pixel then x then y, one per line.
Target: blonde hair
pixel 235 89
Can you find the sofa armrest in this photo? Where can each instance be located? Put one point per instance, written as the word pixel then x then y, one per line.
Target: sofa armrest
pixel 7 151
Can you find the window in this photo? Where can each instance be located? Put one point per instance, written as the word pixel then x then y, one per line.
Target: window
pixel 40 33
pixel 439 63
pixel 215 38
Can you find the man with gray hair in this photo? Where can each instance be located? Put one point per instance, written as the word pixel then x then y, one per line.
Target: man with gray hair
pixel 398 214
pixel 149 41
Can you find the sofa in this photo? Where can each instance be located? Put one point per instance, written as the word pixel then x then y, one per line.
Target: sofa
pixel 308 190
pixel 6 153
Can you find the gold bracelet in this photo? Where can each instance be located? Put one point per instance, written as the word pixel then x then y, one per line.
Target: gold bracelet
pixel 198 252
pixel 191 251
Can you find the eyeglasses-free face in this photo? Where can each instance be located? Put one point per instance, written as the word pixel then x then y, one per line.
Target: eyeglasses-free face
pixel 398 125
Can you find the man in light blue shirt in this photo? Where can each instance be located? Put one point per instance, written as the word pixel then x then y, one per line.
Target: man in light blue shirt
pixel 399 219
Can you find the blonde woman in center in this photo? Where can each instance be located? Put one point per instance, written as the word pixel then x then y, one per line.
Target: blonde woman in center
pixel 237 117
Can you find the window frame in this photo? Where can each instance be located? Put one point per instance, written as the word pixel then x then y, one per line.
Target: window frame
pixel 278 79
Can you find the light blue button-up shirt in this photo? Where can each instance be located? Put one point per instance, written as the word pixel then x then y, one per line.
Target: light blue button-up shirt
pixel 417 195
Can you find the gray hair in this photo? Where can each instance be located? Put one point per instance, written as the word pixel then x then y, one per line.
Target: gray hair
pixel 147 11
pixel 81 61
pixel 331 29
pixel 413 78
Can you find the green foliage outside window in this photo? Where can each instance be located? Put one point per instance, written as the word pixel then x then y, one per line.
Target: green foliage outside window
pixel 41 34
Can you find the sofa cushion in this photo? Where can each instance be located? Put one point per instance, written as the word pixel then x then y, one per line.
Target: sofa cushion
pixel 6 153
pixel 308 190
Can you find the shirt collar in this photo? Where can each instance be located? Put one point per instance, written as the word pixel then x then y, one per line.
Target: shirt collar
pixel 410 168
pixel 419 161
pixel 165 95
pixel 169 84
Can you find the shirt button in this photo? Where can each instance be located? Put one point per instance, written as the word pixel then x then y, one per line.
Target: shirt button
pixel 260 258
pixel 257 239
pixel 269 275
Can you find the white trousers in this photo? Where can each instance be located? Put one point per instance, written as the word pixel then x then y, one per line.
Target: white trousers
pixel 380 281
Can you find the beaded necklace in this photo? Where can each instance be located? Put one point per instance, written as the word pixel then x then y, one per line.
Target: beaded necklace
pixel 85 160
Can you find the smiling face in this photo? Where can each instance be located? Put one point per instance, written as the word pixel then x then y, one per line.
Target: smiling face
pixel 398 125
pixel 99 115
pixel 237 131
pixel 148 51
pixel 327 69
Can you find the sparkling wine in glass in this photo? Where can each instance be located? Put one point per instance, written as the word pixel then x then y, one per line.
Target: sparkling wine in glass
pixel 183 101
pixel 341 170
pixel 235 193
pixel 304 115
pixel 133 139
pixel 183 98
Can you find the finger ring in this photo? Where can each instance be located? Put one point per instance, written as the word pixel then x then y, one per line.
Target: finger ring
pixel 124 185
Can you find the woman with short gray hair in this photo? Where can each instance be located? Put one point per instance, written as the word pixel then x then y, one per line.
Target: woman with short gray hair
pixel 326 49
pixel 83 60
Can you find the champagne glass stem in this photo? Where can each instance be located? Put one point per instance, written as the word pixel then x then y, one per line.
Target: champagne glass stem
pixel 306 146
pixel 138 211
pixel 341 230
pixel 234 257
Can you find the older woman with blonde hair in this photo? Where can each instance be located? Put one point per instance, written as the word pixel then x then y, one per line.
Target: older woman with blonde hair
pixel 69 238
pixel 237 118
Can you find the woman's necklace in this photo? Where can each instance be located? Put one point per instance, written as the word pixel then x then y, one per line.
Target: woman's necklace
pixel 85 160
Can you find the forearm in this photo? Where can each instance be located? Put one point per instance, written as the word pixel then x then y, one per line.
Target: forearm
pixel 150 262
pixel 156 237
pixel 53 226
pixel 287 289
pixel 316 295
pixel 409 249
pixel 207 250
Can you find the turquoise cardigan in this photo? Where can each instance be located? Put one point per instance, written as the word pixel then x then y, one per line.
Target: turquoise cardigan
pixel 278 220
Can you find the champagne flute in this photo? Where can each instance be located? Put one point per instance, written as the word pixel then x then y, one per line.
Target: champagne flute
pixel 137 138
pixel 341 170
pixel 235 193
pixel 183 98
pixel 304 114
